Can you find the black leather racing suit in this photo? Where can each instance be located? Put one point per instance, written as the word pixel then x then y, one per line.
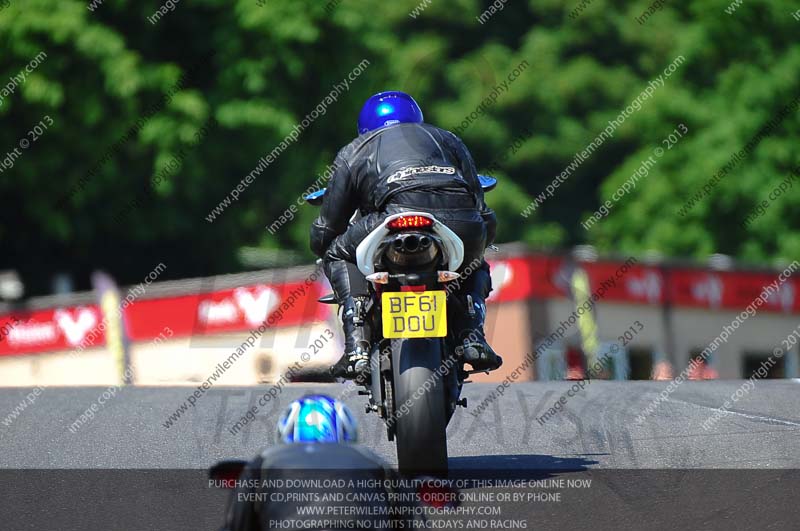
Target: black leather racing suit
pixel 264 498
pixel 400 168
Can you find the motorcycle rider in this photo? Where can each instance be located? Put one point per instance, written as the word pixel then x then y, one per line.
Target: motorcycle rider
pixel 399 163
pixel 317 433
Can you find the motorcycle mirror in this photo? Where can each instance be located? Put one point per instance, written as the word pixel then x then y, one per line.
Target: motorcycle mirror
pixel 227 472
pixel 437 494
pixel 315 198
pixel 487 183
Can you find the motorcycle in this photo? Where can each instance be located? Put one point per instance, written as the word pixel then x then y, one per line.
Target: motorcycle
pixel 415 378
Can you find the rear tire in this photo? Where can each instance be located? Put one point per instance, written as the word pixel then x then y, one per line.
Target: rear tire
pixel 420 427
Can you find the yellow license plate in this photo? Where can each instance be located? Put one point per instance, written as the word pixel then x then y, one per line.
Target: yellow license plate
pixel 409 314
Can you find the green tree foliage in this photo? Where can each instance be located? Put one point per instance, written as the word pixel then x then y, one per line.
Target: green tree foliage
pixel 155 123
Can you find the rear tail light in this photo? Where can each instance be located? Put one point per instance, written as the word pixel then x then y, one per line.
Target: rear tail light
pixel 410 222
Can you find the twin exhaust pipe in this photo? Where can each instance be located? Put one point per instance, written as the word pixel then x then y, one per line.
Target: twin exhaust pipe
pixel 411 243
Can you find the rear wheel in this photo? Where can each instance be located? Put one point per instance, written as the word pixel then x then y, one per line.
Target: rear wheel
pixel 420 412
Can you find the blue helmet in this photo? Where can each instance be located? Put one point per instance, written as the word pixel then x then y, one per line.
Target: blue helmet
pixel 317 418
pixel 387 108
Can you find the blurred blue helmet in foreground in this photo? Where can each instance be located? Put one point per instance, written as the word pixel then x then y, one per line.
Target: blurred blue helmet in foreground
pixel 317 418
pixel 387 108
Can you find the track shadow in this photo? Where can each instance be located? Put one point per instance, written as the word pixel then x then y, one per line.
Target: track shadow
pixel 516 466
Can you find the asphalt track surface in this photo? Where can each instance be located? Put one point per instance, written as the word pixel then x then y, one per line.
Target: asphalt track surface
pixel 740 473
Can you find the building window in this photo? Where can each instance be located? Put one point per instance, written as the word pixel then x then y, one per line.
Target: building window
pixel 640 363
pixel 761 363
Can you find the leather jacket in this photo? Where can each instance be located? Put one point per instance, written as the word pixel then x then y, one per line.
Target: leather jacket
pixel 408 165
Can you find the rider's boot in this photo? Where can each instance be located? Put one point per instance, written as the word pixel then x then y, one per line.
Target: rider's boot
pixel 355 359
pixel 346 281
pixel 472 347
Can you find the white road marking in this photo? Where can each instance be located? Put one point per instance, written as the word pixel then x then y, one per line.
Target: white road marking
pixel 759 417
pixel 746 415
